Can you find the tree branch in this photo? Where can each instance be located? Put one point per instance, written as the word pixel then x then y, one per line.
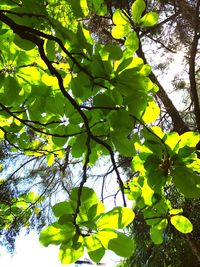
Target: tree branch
pixel 30 34
pixel 178 123
pixel 192 76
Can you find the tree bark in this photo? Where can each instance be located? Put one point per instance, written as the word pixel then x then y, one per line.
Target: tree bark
pixel 192 73
pixel 178 123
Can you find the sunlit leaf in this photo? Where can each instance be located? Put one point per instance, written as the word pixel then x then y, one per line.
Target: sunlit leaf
pixel 94 248
pixel 137 8
pixel 189 139
pixel 119 217
pixel 149 19
pixel 68 254
pixel 132 43
pixel 96 210
pixel 121 244
pixel 175 211
pixel 56 234
pixel 151 113
pixel 120 31
pixel 120 18
pixel 182 224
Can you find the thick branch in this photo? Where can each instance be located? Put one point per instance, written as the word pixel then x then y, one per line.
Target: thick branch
pixel 178 124
pixel 193 52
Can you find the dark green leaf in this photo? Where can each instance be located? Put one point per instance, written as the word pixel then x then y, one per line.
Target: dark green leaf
pixel 23 43
pixel 187 181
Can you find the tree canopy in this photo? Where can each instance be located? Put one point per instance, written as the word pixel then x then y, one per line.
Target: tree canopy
pixel 76 93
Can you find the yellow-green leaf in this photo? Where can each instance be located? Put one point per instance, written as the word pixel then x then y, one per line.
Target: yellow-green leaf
pixel 182 224
pixel 120 31
pixel 149 19
pixel 137 9
pixel 119 17
pixel 119 217
pixel 56 234
pixel 151 113
pixel 68 254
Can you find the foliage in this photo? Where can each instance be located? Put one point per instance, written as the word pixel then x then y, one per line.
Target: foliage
pixel 61 93
pixel 92 228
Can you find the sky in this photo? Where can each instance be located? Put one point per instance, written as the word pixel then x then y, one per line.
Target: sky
pixel 30 253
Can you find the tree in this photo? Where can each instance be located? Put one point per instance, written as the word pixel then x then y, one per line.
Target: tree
pixel 66 97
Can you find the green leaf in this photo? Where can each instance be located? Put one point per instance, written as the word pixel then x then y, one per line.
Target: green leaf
pixel 117 97
pixel 103 100
pixel 96 255
pixel 145 70
pixel 2 79
pixel 175 211
pixel 122 118
pixel 88 199
pixel 23 43
pixel 157 231
pixel 11 91
pixel 119 243
pixel 119 31
pixel 120 18
pixel 138 8
pixel 123 145
pixel 94 248
pixel 111 51
pixel 59 141
pixel 56 234
pixel 62 208
pixel 50 49
pixel 96 210
pixel 137 102
pixel 100 68
pixel 189 139
pixel 182 224
pixel 98 6
pixel 187 181
pixel 156 235
pixel 119 217
pixel 131 43
pixel 87 194
pixel 81 85
pixel 79 8
pixel 84 38
pixel 149 19
pixel 68 254
pixel 122 245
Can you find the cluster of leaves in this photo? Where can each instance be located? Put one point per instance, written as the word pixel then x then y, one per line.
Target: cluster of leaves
pixel 93 228
pixel 16 213
pixel 61 88
pixel 123 23
pixel 10 211
pixel 180 165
